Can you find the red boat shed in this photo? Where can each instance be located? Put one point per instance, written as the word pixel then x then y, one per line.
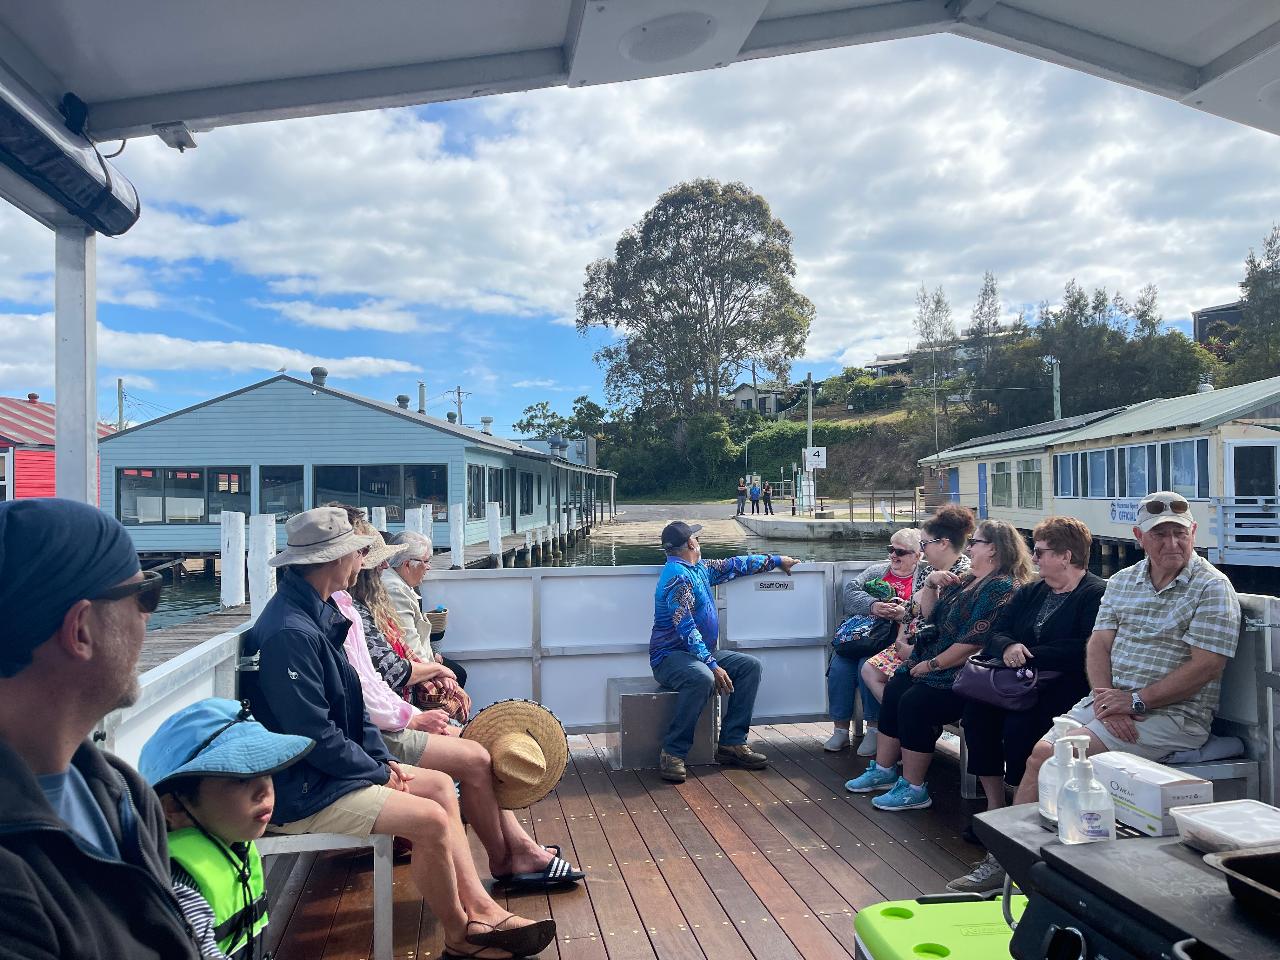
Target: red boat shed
pixel 26 447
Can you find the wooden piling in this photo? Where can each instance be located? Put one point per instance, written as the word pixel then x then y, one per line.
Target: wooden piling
pixel 493 517
pixel 233 556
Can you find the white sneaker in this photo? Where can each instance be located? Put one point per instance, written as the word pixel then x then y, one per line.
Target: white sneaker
pixel 867 748
pixel 838 741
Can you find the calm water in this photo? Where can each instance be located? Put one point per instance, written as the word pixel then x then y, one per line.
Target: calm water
pixel 186 600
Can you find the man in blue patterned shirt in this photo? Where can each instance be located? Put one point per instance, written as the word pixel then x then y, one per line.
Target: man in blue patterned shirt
pixel 682 650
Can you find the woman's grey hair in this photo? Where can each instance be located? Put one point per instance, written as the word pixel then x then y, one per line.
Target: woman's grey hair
pixel 908 537
pixel 419 547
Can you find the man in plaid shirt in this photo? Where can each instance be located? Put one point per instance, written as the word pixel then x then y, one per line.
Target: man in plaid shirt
pixel 1165 630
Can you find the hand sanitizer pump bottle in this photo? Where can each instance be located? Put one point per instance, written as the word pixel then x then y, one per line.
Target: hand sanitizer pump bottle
pixel 1049 782
pixel 1086 812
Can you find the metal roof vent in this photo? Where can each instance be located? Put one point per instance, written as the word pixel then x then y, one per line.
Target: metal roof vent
pixel 452 417
pixel 33 398
pixel 402 401
pixel 319 375
pixel 1205 387
pixel 486 425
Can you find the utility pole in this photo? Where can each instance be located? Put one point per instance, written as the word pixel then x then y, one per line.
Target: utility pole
pixel 119 404
pixel 458 392
pixel 808 440
pixel 1057 388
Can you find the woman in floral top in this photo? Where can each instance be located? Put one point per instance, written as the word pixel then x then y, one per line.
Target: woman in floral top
pixel 919 701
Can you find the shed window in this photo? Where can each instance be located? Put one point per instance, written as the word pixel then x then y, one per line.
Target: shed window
pixel 380 486
pixel 140 497
pixel 1137 474
pixel 1030 494
pixel 184 495
pixel 280 491
pixel 1185 467
pixel 475 492
pixel 228 490
pixel 1100 473
pixel 427 485
pixel 337 484
pixel 1001 485
pixel 497 493
pixel 526 494
pixel 1065 470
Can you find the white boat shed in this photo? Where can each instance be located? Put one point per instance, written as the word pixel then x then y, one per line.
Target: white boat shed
pixel 137 68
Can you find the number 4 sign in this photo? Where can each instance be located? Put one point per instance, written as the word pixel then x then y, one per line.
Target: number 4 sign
pixel 815 458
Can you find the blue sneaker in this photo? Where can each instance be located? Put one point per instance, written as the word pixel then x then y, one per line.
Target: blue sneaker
pixel 904 796
pixel 873 778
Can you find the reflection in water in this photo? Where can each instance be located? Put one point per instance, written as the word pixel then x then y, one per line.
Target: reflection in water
pixel 186 600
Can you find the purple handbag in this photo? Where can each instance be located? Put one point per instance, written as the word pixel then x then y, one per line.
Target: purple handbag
pixel 993 683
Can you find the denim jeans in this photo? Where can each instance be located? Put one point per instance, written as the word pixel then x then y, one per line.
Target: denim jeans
pixel 692 680
pixel 844 678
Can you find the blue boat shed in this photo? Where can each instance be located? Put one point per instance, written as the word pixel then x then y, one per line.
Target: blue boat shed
pixel 285 445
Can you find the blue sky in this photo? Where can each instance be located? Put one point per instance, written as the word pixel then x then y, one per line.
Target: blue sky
pixel 448 243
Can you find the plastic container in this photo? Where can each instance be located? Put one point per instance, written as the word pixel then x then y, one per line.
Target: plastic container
pixel 1086 812
pixel 1230 825
pixel 1049 782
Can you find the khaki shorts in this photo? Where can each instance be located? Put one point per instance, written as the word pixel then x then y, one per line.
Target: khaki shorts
pixel 352 815
pixel 406 745
pixel 1158 735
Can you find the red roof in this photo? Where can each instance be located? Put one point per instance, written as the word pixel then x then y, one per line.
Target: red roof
pixel 30 422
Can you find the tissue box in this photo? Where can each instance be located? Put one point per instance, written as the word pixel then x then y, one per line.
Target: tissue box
pixel 1144 790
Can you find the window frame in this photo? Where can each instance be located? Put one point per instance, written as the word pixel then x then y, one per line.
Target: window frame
pixel 525 504
pixel 1199 465
pixel 1001 494
pixel 247 490
pixel 1107 457
pixel 302 491
pixel 439 508
pixel 475 508
pixel 1024 498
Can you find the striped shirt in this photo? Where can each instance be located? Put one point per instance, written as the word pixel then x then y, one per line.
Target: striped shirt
pixel 1155 630
pixel 198 913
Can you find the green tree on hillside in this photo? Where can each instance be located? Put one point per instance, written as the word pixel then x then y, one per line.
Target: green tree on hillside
pixel 539 420
pixel 1255 350
pixel 697 291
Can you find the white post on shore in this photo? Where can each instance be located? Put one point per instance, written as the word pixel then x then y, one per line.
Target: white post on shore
pixel 378 517
pixel 429 525
pixel 413 522
pixel 493 517
pixel 262 547
pixel 457 535
pixel 573 524
pixel 528 550
pixel 232 559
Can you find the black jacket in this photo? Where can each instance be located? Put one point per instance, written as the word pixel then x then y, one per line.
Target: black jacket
pixel 305 686
pixel 1064 635
pixel 62 901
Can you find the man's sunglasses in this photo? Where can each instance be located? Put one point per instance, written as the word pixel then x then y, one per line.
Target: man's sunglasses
pixel 147 591
pixel 899 552
pixel 1160 506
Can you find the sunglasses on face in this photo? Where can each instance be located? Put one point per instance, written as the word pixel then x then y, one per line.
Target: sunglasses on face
pixel 976 540
pixel 1039 552
pixel 899 552
pixel 1160 506
pixel 146 591
pixel 929 543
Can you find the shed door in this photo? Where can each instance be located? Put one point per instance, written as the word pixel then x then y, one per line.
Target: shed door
pixel 982 491
pixel 953 484
pixel 1253 477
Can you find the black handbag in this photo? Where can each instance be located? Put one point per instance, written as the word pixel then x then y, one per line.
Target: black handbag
pixel 997 685
pixel 861 637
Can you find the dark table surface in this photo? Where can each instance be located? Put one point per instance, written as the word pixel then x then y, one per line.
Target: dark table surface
pixel 1162 883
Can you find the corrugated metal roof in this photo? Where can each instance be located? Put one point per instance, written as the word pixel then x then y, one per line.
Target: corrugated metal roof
pixel 1039 429
pixel 1193 410
pixel 31 422
pixel 988 449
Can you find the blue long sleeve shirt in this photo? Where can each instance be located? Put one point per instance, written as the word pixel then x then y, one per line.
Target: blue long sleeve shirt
pixel 684 608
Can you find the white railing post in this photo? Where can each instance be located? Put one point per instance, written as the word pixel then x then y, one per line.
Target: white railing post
pixel 493 517
pixel 262 547
pixel 457 535
pixel 232 559
pixel 378 518
pixel 413 522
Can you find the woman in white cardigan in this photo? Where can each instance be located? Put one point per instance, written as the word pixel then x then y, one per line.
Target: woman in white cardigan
pixel 401 581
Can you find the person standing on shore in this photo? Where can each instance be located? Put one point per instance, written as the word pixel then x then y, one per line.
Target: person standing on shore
pixel 767 496
pixel 682 650
pixel 755 497
pixel 742 496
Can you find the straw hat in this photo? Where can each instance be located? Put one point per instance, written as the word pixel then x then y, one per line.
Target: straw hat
pixel 528 747
pixel 319 535
pixel 380 551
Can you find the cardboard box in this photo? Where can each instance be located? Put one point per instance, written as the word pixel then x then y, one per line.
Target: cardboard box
pixel 1144 790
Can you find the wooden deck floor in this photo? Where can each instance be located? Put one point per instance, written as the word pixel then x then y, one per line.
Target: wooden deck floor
pixel 770 865
pixel 166 643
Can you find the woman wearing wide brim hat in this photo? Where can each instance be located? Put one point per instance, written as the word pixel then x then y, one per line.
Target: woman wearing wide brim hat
pixel 529 751
pixel 380 551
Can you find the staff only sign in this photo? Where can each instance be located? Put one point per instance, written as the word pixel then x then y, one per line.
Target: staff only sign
pixel 770 586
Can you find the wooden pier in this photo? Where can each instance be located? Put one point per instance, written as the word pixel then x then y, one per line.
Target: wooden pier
pixel 167 643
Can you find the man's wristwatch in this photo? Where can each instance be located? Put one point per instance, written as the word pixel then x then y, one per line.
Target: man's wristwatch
pixel 1139 707
pixel 933 663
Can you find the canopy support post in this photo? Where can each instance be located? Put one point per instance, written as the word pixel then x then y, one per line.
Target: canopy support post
pixel 76 364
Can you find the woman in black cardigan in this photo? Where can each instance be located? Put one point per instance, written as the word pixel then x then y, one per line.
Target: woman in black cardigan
pixel 1046 624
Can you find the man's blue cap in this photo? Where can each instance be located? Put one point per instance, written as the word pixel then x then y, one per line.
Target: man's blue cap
pixel 217 738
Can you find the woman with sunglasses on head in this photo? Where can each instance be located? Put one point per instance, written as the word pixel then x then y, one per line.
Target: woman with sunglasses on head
pixel 904 573
pixel 1045 625
pixel 918 701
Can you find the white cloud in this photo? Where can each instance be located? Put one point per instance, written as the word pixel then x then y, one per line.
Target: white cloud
pixel 26 355
pixel 371 315
pixel 538 384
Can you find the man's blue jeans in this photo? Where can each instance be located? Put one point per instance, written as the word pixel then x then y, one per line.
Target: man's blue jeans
pixel 692 680
pixel 844 678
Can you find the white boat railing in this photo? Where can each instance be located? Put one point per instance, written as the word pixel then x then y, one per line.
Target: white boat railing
pixel 1247 531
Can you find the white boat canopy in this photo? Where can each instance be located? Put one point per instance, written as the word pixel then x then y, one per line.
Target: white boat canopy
pixel 142 67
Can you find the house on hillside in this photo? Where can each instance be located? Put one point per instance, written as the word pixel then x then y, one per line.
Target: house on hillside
pixel 765 398
pixel 27 447
pixel 285 445
pixel 1204 319
pixel 887 364
pixel 1218 448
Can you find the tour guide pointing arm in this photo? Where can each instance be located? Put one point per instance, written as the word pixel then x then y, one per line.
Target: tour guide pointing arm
pixel 682 648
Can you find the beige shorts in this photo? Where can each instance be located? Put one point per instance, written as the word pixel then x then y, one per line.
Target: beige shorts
pixel 1158 735
pixel 406 745
pixel 352 815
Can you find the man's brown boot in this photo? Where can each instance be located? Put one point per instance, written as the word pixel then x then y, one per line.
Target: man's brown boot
pixel 671 768
pixel 740 755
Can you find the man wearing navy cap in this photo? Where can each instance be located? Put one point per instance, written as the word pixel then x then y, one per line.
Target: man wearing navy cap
pixel 84 862
pixel 682 649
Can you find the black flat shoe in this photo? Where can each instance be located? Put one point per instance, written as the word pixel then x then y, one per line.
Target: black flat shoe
pixel 523 941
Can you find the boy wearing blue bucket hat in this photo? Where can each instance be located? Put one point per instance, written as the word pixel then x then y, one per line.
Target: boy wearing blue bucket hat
pixel 211 763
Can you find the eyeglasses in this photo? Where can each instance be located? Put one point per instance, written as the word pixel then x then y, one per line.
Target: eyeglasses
pixel 419 561
pixel 1039 552
pixel 974 540
pixel 147 591
pixel 899 552
pixel 926 543
pixel 364 551
pixel 1160 506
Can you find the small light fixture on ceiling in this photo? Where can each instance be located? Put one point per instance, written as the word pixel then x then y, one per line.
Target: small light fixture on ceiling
pixel 667 38
pixel 175 135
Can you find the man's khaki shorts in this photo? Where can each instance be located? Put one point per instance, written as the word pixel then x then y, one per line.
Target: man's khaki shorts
pixel 406 745
pixel 352 815
pixel 1158 735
